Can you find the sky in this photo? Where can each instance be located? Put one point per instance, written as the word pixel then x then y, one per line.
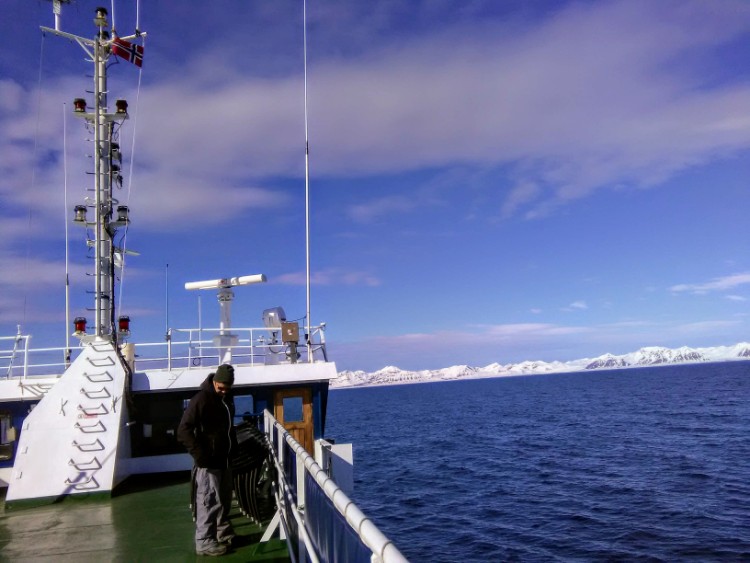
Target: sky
pixel 489 181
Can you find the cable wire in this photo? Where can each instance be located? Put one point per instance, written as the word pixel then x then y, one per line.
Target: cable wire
pixel 130 182
pixel 33 178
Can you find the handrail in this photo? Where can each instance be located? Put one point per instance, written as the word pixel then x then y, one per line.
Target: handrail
pixel 194 349
pixel 382 549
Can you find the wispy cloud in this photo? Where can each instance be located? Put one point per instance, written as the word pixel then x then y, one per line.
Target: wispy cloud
pixel 717 284
pixel 382 207
pixel 576 306
pixel 581 100
pixel 330 277
pixel 484 344
pixel 568 133
pixel 707 326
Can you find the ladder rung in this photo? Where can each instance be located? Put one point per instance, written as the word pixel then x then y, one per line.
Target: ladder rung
pixel 95 446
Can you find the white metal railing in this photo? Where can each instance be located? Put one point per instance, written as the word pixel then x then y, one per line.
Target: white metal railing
pixel 196 347
pixel 182 348
pixel 16 358
pixel 294 501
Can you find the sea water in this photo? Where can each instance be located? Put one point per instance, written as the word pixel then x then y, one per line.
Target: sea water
pixel 646 464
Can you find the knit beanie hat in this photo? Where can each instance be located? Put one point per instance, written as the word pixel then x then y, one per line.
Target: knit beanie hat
pixel 224 374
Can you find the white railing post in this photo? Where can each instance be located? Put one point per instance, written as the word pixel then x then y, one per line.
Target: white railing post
pixel 252 349
pixel 26 357
pixel 169 348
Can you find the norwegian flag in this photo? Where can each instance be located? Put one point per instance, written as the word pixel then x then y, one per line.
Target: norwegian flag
pixel 128 51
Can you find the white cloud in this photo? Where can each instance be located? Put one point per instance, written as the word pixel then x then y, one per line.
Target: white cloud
pixel 589 97
pixel 485 344
pixel 382 207
pixel 576 306
pixel 330 277
pixel 704 327
pixel 586 100
pixel 717 284
pixel 11 95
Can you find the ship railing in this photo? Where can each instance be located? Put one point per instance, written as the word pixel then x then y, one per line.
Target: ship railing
pixel 182 349
pixel 201 347
pixel 19 360
pixel 317 518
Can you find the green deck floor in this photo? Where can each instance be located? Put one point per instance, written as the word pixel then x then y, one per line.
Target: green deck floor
pixel 148 519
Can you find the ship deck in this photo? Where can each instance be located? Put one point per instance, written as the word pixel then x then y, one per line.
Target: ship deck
pixel 148 519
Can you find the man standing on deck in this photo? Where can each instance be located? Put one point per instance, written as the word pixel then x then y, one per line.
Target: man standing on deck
pixel 207 431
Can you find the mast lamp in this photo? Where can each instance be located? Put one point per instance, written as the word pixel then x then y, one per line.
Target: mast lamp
pixel 79 105
pixel 123 214
pixel 123 325
pixel 101 17
pixel 80 214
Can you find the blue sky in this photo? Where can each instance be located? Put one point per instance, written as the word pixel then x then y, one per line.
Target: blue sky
pixel 491 181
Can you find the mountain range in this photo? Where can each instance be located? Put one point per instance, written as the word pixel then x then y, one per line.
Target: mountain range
pixel 648 356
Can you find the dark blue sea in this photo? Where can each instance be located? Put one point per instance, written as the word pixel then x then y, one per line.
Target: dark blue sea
pixel 647 464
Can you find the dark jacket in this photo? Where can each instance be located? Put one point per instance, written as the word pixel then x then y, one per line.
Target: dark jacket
pixel 207 429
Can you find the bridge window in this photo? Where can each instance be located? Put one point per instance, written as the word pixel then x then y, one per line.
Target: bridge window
pixel 293 409
pixel 244 406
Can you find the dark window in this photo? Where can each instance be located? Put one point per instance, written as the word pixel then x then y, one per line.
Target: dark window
pixel 293 409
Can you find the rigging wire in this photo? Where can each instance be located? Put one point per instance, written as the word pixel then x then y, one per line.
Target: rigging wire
pixel 113 18
pixel 130 182
pixel 33 178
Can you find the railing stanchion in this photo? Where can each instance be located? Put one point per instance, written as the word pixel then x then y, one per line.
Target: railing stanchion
pixel 26 357
pixel 169 348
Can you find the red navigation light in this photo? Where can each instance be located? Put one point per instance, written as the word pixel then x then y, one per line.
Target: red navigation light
pixel 123 324
pixel 80 325
pixel 122 106
pixel 79 105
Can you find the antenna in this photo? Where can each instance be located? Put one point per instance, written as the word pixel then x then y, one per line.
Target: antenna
pixel 67 245
pixel 166 299
pixel 225 339
pixel 307 192
pixel 57 10
pixel 224 283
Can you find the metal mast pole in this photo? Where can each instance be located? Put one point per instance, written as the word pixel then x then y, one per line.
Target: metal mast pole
pixel 103 291
pixel 102 122
pixel 98 203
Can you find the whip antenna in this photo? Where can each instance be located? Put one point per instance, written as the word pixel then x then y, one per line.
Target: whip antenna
pixel 67 249
pixel 307 191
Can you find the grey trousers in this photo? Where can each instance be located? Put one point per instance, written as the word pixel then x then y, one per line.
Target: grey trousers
pixel 213 500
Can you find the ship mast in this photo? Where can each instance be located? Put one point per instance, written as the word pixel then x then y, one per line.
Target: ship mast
pixel 106 171
pixel 104 258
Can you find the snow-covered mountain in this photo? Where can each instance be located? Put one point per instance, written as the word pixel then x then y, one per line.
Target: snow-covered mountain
pixel 649 356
